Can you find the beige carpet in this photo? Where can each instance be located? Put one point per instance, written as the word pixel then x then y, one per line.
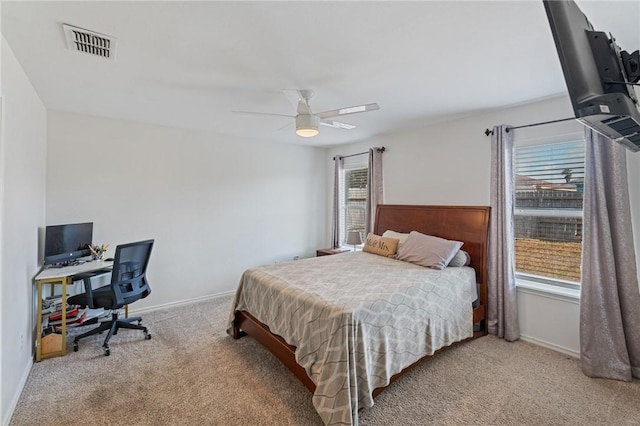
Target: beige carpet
pixel 192 373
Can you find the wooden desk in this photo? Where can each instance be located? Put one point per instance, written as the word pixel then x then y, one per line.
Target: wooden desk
pixel 60 276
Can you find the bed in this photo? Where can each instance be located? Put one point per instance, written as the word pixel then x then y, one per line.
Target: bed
pixel 348 325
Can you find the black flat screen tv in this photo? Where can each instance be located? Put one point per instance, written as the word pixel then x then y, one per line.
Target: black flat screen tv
pixel 65 243
pixel 599 76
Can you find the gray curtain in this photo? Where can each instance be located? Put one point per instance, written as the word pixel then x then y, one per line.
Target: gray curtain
pixel 337 182
pixel 502 315
pixel 375 193
pixel 610 299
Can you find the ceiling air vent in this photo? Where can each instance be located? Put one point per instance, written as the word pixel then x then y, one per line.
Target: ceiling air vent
pixel 90 42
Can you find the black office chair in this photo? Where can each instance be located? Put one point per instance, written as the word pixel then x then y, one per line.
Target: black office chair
pixel 128 284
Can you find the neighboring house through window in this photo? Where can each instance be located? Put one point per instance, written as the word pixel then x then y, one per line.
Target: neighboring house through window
pixel 549 179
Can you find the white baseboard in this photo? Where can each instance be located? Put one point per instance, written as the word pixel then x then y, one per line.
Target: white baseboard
pixel 180 303
pixel 16 396
pixel 549 345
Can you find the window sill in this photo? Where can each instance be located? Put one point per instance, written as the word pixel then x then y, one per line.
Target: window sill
pixel 547 290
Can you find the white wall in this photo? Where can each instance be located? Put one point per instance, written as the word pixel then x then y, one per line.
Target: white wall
pixel 449 163
pixel 22 215
pixel 214 204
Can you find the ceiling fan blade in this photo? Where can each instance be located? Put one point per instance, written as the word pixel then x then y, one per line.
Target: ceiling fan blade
pixel 303 103
pixel 350 110
pixel 300 100
pixel 293 96
pixel 263 113
pixel 337 124
pixel 303 107
pixel 286 126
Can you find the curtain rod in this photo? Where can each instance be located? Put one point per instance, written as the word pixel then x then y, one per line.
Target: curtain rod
pixel 490 132
pixel 383 149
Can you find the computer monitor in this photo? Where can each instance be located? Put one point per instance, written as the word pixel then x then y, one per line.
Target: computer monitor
pixel 64 243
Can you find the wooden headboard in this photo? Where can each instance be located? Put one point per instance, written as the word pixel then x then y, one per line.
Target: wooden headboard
pixel 469 224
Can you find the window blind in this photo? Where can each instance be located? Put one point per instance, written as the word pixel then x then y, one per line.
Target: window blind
pixel 549 182
pixel 355 201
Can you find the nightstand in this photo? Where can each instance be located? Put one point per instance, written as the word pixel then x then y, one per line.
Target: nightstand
pixel 330 251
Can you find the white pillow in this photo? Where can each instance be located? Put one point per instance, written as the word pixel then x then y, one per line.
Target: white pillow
pixel 461 258
pixel 397 235
pixel 427 250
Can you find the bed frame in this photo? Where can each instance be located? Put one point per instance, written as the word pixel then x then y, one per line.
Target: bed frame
pixel 469 224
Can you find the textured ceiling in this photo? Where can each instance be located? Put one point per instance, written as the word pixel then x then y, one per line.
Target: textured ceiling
pixel 190 64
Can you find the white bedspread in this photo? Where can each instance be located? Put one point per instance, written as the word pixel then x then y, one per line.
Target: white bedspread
pixel 357 319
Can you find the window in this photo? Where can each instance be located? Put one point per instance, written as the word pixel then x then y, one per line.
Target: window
pixel 354 199
pixel 549 181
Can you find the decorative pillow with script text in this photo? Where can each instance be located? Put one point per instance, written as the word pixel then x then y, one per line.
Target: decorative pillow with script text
pixel 382 246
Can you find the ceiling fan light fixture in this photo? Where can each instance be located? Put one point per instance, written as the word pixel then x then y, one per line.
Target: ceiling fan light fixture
pixel 307 133
pixel 307 125
pixel 307 122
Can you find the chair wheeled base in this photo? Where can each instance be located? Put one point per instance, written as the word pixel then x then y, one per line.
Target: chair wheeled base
pixel 112 327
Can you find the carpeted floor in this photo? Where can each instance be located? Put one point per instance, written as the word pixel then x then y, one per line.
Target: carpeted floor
pixel 192 373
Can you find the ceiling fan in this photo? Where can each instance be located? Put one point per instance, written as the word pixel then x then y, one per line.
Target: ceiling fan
pixel 307 122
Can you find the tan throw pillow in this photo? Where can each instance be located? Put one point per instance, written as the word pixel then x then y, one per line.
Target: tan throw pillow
pixel 380 245
pixel 427 250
